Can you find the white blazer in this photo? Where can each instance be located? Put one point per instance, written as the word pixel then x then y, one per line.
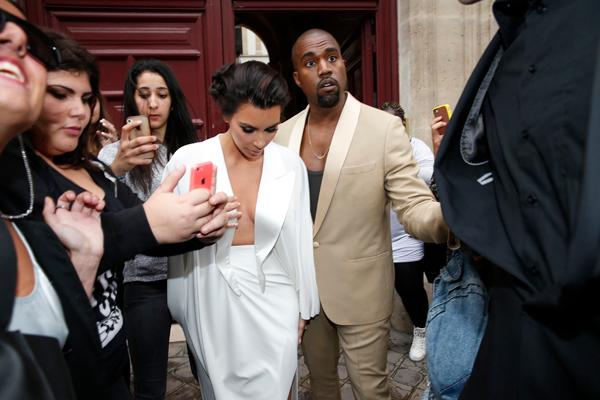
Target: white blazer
pixel 283 227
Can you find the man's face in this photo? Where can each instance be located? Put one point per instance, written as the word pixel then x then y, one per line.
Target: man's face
pixel 320 70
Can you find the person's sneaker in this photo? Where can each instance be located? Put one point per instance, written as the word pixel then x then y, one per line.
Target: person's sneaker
pixel 417 349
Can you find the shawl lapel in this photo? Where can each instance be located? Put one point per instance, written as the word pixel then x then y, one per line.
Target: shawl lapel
pixel 342 137
pixel 272 203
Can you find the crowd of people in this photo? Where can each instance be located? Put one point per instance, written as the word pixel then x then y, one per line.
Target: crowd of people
pixel 307 226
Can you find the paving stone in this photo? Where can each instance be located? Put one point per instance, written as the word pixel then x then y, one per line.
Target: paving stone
pixel 393 357
pixel 175 362
pixel 173 384
pixel 184 373
pixel 407 377
pixel 346 391
pixel 398 391
pixel 187 392
pixel 302 369
pixel 417 394
pixel 342 372
pixel 177 349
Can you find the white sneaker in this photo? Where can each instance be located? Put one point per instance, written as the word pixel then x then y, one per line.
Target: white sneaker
pixel 417 349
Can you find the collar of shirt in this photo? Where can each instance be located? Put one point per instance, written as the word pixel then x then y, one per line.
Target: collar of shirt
pixel 510 15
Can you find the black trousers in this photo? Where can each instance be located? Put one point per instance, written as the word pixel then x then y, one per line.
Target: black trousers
pixel 409 285
pixel 148 325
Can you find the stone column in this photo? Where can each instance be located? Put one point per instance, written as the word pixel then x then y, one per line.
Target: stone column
pixel 439 42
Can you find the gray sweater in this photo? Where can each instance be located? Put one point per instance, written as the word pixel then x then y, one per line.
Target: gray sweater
pixel 141 268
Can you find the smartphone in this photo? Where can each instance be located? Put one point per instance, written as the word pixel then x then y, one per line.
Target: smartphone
pixel 202 176
pixel 445 112
pixel 142 130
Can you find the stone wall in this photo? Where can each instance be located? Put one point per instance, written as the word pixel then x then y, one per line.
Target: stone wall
pixel 439 43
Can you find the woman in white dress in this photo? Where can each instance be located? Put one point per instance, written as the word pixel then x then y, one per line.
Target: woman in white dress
pixel 243 303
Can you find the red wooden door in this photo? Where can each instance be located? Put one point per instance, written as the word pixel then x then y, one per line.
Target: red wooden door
pixel 187 34
pixel 197 36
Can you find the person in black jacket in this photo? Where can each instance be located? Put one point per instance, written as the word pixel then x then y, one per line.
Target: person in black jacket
pixel 32 321
pixel 518 181
pixel 96 350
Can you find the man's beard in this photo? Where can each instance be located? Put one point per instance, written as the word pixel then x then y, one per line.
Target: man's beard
pixel 328 100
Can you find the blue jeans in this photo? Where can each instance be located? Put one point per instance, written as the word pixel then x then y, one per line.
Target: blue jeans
pixel 455 325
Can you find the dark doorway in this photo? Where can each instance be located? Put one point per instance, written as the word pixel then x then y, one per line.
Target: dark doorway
pixel 353 30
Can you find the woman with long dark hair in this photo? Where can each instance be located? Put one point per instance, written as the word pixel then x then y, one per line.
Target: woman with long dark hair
pixel 151 89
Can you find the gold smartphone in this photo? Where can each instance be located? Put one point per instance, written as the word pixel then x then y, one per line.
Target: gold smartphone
pixel 142 130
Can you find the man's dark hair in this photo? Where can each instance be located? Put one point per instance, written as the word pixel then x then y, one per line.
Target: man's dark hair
pixel 180 130
pixel 251 82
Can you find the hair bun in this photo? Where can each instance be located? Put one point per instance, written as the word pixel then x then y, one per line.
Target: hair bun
pixel 218 86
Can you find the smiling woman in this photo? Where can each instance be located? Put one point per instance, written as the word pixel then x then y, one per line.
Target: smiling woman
pixel 33 307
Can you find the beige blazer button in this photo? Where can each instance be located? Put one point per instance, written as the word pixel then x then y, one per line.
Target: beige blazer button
pixel 315 244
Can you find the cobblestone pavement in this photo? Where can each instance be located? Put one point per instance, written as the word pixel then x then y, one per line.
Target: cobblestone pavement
pixel 407 378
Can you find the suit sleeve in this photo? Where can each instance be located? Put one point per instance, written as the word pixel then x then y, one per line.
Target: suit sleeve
pixel 410 198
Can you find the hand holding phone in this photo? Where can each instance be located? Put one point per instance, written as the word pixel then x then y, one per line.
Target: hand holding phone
pixel 203 176
pixel 441 117
pixel 141 130
pixel 445 113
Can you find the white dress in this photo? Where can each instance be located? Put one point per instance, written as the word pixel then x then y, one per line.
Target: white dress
pixel 239 306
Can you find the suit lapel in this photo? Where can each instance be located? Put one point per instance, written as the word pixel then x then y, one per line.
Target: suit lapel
pixel 295 140
pixel 342 137
pixel 272 203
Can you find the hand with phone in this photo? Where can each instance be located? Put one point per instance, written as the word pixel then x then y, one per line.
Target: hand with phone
pixel 203 176
pixel 441 117
pixel 137 146
pixel 107 133
pixel 175 218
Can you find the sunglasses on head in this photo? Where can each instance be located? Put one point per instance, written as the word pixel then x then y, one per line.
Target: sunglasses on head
pixel 39 45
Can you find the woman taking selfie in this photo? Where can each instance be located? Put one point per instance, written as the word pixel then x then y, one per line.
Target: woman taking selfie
pixel 244 302
pixel 59 162
pixel 151 90
pixel 35 302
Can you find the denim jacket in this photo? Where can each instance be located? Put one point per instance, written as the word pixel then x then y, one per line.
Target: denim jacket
pixel 455 325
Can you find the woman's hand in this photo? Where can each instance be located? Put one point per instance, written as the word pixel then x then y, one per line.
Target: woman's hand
pixel 224 215
pixel 110 135
pixel 436 133
pixel 302 325
pixel 133 152
pixel 176 218
pixel 75 219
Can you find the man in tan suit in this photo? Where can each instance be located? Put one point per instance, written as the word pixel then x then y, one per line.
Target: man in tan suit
pixel 359 160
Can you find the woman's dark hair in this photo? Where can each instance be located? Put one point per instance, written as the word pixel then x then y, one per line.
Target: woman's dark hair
pixel 75 58
pixel 94 144
pixel 180 130
pixel 396 109
pixel 251 82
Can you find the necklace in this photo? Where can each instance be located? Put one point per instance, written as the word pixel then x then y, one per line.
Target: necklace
pixel 29 183
pixel 318 156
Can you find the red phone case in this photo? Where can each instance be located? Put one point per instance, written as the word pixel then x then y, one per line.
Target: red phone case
pixel 201 176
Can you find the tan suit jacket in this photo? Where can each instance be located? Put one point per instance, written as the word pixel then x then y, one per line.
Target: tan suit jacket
pixel 369 166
